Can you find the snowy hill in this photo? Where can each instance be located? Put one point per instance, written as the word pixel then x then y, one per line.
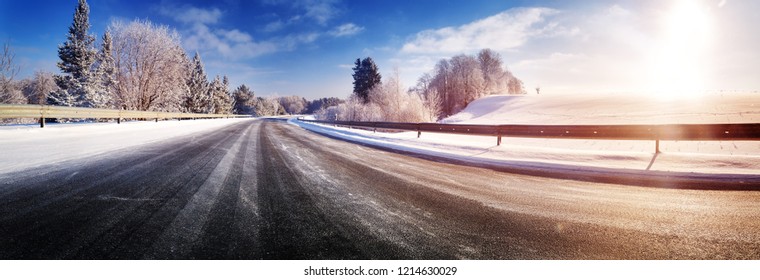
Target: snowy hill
pixel 610 109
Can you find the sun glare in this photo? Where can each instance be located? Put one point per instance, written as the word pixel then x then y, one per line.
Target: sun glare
pixel 679 60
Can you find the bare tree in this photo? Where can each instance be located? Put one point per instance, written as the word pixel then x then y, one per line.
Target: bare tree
pixel 10 93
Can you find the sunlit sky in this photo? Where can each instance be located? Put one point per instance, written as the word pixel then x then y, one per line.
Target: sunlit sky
pixel 306 47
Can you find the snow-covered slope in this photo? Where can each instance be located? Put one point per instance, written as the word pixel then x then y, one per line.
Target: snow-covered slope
pixel 610 109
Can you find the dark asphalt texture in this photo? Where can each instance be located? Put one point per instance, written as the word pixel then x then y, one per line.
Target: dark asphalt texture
pixel 263 189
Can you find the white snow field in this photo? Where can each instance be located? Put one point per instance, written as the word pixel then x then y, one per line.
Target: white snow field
pixel 28 146
pixel 684 157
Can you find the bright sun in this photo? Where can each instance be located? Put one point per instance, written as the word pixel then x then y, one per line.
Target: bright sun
pixel 679 59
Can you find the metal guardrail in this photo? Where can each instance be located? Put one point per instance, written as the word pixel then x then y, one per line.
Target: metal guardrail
pixel 41 112
pixel 655 132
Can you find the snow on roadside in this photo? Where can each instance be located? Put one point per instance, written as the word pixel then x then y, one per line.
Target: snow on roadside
pixel 705 157
pixel 610 109
pixel 739 157
pixel 24 147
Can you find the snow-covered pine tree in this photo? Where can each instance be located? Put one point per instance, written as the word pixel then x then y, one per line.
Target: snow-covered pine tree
pixel 244 100
pixel 211 94
pixel 197 100
pixel 77 56
pixel 106 72
pixel 220 97
pixel 228 93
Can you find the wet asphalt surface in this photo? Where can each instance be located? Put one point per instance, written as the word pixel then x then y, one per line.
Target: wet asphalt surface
pixel 264 189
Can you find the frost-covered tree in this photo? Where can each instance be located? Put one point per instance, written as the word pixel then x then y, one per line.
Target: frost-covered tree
pixel 39 87
pixel 293 104
pixel 228 94
pixel 78 85
pixel 442 84
pixel 245 102
pixel 268 107
pixel 515 86
pixel 496 79
pixel 221 102
pixel 493 74
pixel 105 69
pixel 197 98
pixel 366 76
pixel 10 92
pixel 461 79
pixel 396 103
pixel 322 103
pixel 429 93
pixel 389 101
pixel 151 66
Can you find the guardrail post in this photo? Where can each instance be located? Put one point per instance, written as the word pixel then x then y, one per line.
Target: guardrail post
pixel 419 132
pixel 498 140
pixel 42 122
pixel 657 146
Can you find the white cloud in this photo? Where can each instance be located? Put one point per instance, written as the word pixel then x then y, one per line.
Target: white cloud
pixel 292 41
pixel 347 29
pixel 504 31
pixel 233 44
pixel 192 14
pixel 236 35
pixel 319 10
pixel 274 26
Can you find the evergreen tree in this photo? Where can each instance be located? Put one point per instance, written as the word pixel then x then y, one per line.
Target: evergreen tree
pixel 229 97
pixel 106 72
pixel 245 102
pixel 197 99
pixel 366 76
pixel 221 103
pixel 77 54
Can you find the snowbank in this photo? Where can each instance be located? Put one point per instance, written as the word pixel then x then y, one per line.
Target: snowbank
pixel 23 147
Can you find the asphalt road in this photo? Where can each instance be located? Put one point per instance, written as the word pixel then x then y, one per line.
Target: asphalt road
pixel 270 190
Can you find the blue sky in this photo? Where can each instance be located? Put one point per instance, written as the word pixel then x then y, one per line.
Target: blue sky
pixel 306 47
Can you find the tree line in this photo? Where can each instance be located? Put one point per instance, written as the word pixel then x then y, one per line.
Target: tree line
pixel 444 91
pixel 136 66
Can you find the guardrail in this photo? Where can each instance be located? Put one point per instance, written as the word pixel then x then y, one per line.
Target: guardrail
pixel 41 112
pixel 655 132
